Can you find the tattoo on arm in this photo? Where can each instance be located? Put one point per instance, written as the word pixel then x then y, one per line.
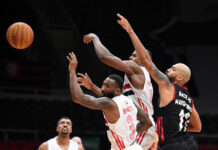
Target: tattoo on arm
pixel 159 75
pixel 102 103
pixel 143 118
pixel 143 125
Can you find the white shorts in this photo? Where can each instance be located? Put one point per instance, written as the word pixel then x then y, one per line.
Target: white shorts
pixel 147 139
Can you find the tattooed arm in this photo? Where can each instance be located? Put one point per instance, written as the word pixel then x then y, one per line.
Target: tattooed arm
pixel 88 101
pixel 79 97
pixel 144 121
pixel 103 103
pixel 160 78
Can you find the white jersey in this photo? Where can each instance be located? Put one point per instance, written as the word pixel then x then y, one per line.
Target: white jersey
pixel 52 145
pixel 144 100
pixel 122 134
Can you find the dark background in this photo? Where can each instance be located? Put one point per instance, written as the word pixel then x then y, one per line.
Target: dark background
pixel 34 90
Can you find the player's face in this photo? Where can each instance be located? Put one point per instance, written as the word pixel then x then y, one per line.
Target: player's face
pixel 108 88
pixel 172 73
pixel 134 57
pixel 64 126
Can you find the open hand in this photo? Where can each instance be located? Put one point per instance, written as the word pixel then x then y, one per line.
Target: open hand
pixel 124 23
pixel 84 80
pixel 72 62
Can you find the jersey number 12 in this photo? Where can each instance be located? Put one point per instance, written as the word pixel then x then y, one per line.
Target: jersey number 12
pixel 184 119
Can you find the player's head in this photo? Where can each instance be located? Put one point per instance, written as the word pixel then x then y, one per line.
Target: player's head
pixel 64 126
pixel 179 73
pixel 134 57
pixel 112 86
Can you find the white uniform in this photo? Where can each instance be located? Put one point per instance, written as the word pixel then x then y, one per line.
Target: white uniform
pixel 52 145
pixel 122 134
pixel 144 99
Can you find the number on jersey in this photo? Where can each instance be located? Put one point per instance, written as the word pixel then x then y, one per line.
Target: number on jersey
pixel 184 120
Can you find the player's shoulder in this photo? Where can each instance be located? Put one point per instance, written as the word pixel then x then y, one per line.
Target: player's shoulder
pixel 124 97
pixel 134 66
pixel 130 62
pixel 43 146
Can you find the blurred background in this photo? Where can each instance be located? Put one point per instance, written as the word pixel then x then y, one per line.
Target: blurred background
pixel 34 83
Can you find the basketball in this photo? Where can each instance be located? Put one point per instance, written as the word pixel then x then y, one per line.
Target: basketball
pixel 20 35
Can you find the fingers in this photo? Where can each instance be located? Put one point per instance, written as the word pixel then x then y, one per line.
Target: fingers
pixel 68 58
pixel 79 79
pixel 119 22
pixel 87 75
pixel 122 20
pixel 121 17
pixel 87 39
pixel 82 75
pixel 72 55
pixel 81 84
pixel 72 58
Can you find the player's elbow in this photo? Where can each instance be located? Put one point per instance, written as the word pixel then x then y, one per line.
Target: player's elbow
pixel 199 128
pixel 76 99
pixel 197 125
pixel 194 128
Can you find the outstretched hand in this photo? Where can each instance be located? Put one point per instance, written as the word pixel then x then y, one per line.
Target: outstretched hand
pixel 72 62
pixel 89 38
pixel 124 23
pixel 84 80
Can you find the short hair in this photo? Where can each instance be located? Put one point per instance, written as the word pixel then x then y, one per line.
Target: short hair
pixel 118 79
pixel 64 117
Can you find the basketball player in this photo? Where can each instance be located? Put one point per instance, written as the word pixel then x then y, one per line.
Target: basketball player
pixel 78 140
pixel 176 113
pixel 124 118
pixel 62 141
pixel 137 83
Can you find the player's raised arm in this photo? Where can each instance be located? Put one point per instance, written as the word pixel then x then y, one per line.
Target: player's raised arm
pixel 107 57
pixel 77 94
pixel 160 78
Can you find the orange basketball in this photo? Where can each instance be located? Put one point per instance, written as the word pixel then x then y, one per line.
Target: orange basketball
pixel 20 35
